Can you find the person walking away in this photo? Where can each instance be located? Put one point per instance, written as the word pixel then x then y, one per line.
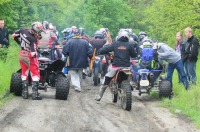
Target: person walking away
pixel 166 53
pixel 123 50
pixel 180 48
pixel 28 57
pixel 78 51
pixel 191 55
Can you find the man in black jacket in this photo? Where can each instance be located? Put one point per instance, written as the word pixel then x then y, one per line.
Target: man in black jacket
pixel 123 50
pixel 191 55
pixel 77 51
pixel 4 36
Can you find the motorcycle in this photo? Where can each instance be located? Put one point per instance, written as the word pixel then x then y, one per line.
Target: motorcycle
pixel 121 88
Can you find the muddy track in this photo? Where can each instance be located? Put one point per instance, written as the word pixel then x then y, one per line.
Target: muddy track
pixel 81 113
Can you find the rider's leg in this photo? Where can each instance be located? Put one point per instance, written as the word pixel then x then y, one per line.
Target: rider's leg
pixel 35 94
pixel 35 74
pixel 24 62
pixel 108 77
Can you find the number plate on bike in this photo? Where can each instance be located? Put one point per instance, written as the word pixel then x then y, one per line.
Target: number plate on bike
pixel 144 83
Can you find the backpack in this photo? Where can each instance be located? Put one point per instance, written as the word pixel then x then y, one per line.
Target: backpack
pixel 147 55
pixel 44 42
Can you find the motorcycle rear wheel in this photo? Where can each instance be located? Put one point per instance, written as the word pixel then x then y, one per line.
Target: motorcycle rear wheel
pixel 126 97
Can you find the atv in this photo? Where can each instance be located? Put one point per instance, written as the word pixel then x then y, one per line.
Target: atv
pixel 50 74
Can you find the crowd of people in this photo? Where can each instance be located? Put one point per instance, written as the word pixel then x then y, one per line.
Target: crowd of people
pixel 78 50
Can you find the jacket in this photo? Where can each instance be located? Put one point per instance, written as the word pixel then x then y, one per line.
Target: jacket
pixel 191 49
pixel 4 37
pixel 78 51
pixel 123 51
pixel 27 42
pixel 97 43
pixel 167 54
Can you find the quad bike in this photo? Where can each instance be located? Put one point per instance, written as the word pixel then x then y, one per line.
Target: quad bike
pixel 50 74
pixel 121 88
pixel 148 80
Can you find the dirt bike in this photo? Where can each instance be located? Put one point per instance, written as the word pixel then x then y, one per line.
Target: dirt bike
pixel 148 80
pixel 121 88
pixel 50 74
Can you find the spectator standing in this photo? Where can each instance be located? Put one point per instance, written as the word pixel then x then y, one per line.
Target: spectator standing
pixel 180 47
pixel 4 36
pixel 191 55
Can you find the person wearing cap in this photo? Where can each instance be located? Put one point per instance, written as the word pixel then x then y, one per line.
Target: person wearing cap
pixel 166 53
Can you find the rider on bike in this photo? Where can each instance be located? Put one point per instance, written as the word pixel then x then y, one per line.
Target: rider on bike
pixel 123 50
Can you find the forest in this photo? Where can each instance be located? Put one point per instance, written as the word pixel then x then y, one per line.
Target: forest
pixel 161 19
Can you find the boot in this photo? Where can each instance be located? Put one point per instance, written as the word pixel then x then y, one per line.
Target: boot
pixel 25 89
pixel 35 94
pixel 101 92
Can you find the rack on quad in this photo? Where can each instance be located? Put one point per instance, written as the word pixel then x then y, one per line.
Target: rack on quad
pixel 50 74
pixel 148 80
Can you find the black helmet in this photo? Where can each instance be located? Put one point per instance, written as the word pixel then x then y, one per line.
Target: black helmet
pixel 81 30
pixel 141 35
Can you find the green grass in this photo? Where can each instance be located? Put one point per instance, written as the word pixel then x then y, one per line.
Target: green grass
pixel 8 67
pixel 186 101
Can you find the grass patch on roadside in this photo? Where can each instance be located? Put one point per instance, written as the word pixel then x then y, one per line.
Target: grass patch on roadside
pixel 3 100
pixel 8 67
pixel 187 102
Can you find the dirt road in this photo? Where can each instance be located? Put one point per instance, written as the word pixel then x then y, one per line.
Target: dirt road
pixel 81 113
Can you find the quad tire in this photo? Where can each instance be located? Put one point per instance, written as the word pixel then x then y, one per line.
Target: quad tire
pixel 16 84
pixel 165 89
pixel 62 88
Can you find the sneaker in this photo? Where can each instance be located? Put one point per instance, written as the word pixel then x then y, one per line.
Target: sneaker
pixel 77 89
pixel 97 97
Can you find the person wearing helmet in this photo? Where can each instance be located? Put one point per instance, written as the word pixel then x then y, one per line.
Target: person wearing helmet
pixel 141 36
pixel 77 50
pixel 49 40
pixel 28 40
pixel 45 25
pixel 123 50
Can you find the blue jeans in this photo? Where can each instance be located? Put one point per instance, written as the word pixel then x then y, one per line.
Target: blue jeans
pixel 180 68
pixel 190 67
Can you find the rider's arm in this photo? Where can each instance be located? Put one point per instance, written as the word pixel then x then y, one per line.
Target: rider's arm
pixel 65 50
pixel 89 50
pixel 106 49
pixel 133 50
pixel 16 36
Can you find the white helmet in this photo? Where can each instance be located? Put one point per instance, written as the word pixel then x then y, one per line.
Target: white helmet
pixel 123 34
